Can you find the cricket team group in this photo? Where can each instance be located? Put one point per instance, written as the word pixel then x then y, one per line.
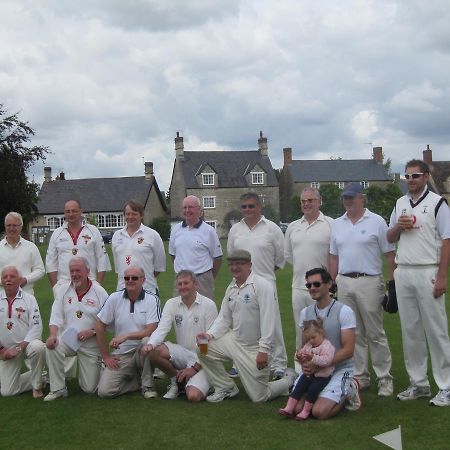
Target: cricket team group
pixel 117 343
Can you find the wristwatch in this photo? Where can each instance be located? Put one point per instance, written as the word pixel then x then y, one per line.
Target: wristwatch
pixel 18 348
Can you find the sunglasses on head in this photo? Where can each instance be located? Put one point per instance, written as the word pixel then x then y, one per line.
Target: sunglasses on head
pixel 251 206
pixel 128 278
pixel 316 284
pixel 413 175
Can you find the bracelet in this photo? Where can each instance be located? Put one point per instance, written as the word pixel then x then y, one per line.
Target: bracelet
pixel 195 368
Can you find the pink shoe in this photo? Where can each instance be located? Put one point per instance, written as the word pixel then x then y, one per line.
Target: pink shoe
pixel 303 415
pixel 286 413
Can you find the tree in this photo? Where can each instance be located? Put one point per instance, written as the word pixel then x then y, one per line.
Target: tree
pixel 382 200
pixel 162 226
pixel 16 158
pixel 331 200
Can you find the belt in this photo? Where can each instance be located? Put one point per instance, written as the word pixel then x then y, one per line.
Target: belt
pixel 357 274
pixel 198 274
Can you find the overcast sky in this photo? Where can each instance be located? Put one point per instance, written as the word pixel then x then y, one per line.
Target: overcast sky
pixel 106 84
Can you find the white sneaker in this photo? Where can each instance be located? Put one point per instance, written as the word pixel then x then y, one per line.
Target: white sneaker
pixel 385 387
pixel 291 375
pixel 56 394
pixel 414 392
pixel 172 392
pixel 354 401
pixel 149 392
pixel 221 395
pixel 442 398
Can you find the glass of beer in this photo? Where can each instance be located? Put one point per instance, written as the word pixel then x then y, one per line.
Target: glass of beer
pixel 202 343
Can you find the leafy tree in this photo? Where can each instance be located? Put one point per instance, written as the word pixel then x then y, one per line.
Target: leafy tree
pixel 382 200
pixel 331 200
pixel 162 226
pixel 16 158
pixel 294 211
pixel 286 191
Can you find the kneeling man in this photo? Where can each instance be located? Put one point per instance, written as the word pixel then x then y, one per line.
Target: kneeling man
pixel 189 314
pixel 72 330
pixel 20 337
pixel 133 314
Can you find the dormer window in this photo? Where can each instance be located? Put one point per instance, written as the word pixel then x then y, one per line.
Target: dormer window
pixel 257 177
pixel 208 179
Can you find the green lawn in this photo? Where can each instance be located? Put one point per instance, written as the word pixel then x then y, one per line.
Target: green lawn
pixel 83 421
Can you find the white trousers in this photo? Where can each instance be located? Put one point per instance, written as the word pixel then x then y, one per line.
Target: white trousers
pixel 14 382
pixel 300 299
pixel 256 382
pixel 89 365
pixel 423 319
pixel 364 295
pixel 279 355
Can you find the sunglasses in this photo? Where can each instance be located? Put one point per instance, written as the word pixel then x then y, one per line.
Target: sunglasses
pixel 251 206
pixel 128 278
pixel 316 284
pixel 413 175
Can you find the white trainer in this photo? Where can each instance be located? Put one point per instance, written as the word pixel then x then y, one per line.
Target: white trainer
pixel 56 394
pixel 149 392
pixel 354 401
pixel 385 387
pixel 172 392
pixel 221 395
pixel 442 398
pixel 414 392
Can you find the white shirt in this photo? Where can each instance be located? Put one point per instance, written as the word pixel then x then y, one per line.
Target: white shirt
pixel 347 318
pixel 306 246
pixel 359 246
pixel 187 322
pixel 21 321
pixel 126 316
pixel 264 242
pixel 26 257
pixel 422 244
pixel 249 310
pixel 194 248
pixel 88 244
pixel 70 311
pixel 144 249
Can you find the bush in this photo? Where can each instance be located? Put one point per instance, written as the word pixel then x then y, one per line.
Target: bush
pixel 162 226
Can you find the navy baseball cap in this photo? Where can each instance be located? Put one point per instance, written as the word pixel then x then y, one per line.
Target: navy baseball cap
pixel 352 190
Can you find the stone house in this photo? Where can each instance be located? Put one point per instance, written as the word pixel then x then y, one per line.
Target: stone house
pixel 439 174
pixel 102 200
pixel 219 178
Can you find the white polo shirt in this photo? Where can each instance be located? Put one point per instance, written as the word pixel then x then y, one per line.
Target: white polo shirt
pixel 194 248
pixel 250 311
pixel 359 246
pixel 306 246
pixel 187 322
pixel 265 242
pixel 89 244
pixel 26 257
pixel 20 321
pixel 71 311
pixel 144 249
pixel 126 316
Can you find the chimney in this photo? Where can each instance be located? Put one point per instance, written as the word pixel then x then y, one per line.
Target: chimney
pixel 179 146
pixel 428 155
pixel 62 176
pixel 287 153
pixel 378 154
pixel 47 174
pixel 262 144
pixel 148 170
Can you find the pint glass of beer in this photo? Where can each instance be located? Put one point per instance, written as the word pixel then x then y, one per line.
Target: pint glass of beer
pixel 203 345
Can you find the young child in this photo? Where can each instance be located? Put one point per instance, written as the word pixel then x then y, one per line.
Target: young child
pixel 321 352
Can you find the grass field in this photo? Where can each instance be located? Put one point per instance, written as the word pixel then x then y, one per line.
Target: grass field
pixel 130 422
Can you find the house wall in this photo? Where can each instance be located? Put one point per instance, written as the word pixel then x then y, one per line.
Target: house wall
pixel 177 192
pixel 298 187
pixel 153 208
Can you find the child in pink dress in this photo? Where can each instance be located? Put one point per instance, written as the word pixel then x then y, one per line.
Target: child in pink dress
pixel 321 352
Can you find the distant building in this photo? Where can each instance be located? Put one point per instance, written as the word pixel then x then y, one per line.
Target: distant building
pixel 102 200
pixel 297 174
pixel 219 178
pixel 439 174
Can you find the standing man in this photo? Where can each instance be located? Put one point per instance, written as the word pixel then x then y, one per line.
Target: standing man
pixel 72 330
pixel 264 240
pixel 189 314
pixel 133 315
pixel 138 245
pixel 75 238
pixel 20 337
pixel 339 324
pixel 17 251
pixel 420 223
pixel 244 333
pixel 306 246
pixel 358 239
pixel 194 246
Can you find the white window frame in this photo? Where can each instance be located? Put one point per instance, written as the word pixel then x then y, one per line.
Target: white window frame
pixel 206 179
pixel 315 184
pixel 107 220
pixel 55 220
pixel 209 202
pixel 365 184
pixel 257 177
pixel 213 223
pixel 340 184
